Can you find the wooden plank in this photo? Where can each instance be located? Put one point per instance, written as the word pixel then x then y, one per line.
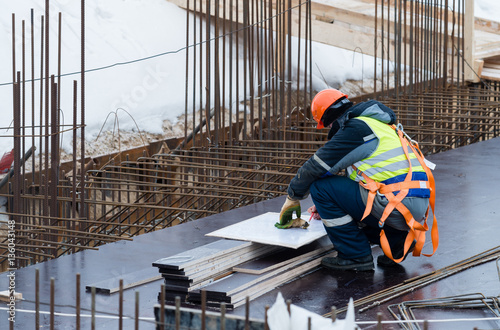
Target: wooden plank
pixel 234 285
pixel 260 229
pixel 490 74
pixel 200 254
pixel 348 25
pixel 5 296
pixel 486 25
pixel 233 258
pixel 487 50
pixel 469 50
pixel 262 288
pixel 130 280
pixel 229 264
pixel 280 259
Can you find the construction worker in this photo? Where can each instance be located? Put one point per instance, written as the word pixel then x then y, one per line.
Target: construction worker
pixel 363 141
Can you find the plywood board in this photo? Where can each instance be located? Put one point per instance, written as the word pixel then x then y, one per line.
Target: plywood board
pixel 260 229
pixel 240 281
pixel 200 254
pixel 280 259
pixel 130 280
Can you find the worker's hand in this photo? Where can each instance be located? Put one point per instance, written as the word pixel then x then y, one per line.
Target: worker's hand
pixel 286 213
pixel 314 212
pixel 295 223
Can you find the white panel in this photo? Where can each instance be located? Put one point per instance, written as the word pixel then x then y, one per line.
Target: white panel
pixel 260 229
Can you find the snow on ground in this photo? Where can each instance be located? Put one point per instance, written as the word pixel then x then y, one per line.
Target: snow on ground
pixel 148 95
pixel 151 91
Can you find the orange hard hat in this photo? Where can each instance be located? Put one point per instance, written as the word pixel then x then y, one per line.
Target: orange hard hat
pixel 322 101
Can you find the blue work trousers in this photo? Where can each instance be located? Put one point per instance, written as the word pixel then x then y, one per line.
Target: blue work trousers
pixel 336 197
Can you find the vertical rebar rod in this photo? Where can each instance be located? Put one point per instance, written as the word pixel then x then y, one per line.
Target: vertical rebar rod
pixel 52 303
pixel 232 26
pixel 222 316
pixel 245 60
pixel 405 50
pixel 251 64
pixel 54 159
pixel 83 209
pixel 272 69
pixel 203 308
pixel 194 71
pixel 37 298
pixel 59 59
pixel 237 76
pixel 375 44
pixel 208 63
pixel 289 63
pixel 47 111
pixel 299 41
pixel 267 67
pixel 382 38
pixel 306 47
pixel 260 66
pixel 40 135
pixel 136 320
pixel 17 152
pixel 77 309
pixel 388 73
pixel 310 52
pixel 120 305
pixel 445 44
pixel 23 99
pixel 247 313
pixel 177 313
pixel 266 317
pixel 162 307
pixel 411 48
pixel 92 308
pixel 223 94
pixel 74 158
pixel 32 53
pixel 186 81
pixel 397 34
pixel 202 142
pixel 13 48
pixel 217 103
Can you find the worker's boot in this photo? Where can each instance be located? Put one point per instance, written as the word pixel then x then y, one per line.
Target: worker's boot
pixel 358 264
pixel 384 260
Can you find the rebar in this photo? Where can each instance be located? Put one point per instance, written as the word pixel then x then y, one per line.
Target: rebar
pixel 466 301
pixel 417 282
pixel 250 131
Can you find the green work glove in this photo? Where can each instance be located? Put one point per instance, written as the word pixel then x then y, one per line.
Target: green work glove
pixel 286 213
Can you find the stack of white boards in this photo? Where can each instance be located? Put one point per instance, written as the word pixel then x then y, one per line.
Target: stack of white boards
pixel 229 271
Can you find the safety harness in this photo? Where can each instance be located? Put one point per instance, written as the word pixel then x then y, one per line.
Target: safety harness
pixel 417 230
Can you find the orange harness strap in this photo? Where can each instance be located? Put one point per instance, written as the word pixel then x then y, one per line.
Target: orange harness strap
pixel 416 230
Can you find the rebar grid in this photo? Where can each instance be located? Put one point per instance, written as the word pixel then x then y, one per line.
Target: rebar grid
pixel 417 282
pixel 477 301
pixel 152 193
pixel 447 118
pixel 250 134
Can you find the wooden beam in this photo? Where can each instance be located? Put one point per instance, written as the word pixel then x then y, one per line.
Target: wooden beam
pixel 469 73
pixel 333 25
pixel 486 25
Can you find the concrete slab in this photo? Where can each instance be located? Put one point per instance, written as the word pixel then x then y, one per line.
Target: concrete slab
pixel 467 208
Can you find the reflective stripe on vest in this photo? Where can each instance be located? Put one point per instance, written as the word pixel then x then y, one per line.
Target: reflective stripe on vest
pixel 388 161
